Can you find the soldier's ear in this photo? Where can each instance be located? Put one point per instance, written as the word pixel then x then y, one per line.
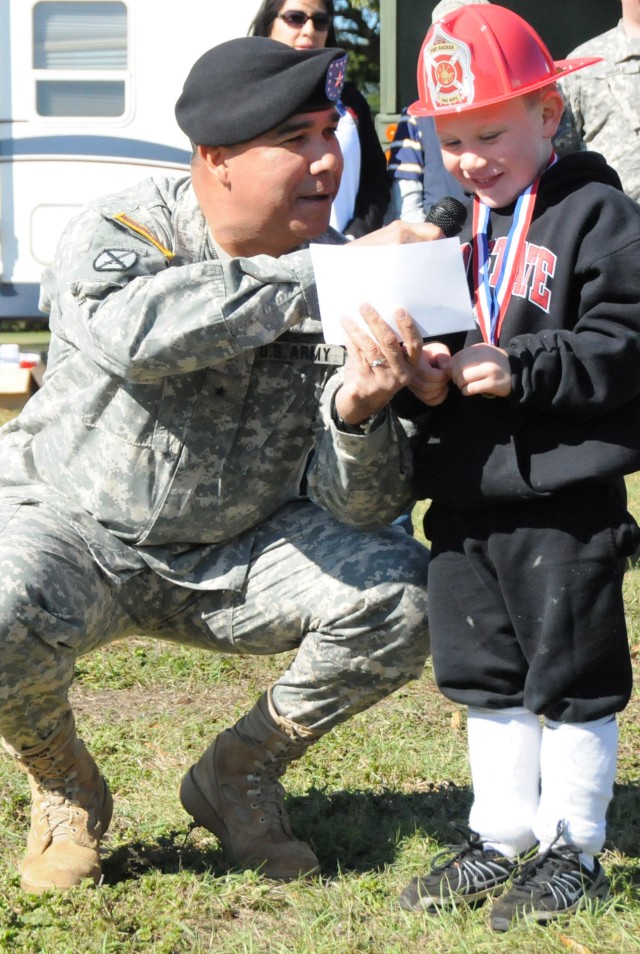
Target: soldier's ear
pixel 214 159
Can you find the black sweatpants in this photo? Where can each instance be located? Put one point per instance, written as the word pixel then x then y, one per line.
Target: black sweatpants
pixel 525 603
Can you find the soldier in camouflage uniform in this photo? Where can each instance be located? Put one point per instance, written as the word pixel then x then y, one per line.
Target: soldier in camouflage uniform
pixel 603 102
pixel 152 484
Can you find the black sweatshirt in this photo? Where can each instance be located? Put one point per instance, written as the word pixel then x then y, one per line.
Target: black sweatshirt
pixel 572 333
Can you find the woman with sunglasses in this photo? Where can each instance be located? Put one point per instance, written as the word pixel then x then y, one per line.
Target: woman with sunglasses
pixel 364 194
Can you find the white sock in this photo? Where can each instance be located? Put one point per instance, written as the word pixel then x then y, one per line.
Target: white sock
pixel 504 754
pixel 578 769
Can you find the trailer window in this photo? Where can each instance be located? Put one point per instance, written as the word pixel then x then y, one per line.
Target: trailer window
pixel 80 58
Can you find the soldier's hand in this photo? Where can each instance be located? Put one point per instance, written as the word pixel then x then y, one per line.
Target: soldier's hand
pixel 378 364
pixel 401 233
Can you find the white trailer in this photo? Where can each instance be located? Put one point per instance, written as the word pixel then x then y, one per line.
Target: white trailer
pixel 87 92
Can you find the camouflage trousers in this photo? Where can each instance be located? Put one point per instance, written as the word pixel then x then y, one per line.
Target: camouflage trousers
pixel 352 603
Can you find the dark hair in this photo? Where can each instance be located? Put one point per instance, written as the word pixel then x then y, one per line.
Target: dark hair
pixel 269 10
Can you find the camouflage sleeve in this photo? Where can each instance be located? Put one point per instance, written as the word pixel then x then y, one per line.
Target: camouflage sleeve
pixel 362 479
pixel 568 137
pixel 149 319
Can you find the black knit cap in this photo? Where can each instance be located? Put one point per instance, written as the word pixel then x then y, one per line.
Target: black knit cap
pixel 244 87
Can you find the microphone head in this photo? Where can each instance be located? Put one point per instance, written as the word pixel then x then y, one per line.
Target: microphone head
pixel 448 214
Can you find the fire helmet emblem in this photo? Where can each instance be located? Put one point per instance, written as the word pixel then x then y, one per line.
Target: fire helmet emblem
pixel 447 65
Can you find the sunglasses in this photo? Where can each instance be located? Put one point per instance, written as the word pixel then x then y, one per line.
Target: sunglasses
pixel 297 19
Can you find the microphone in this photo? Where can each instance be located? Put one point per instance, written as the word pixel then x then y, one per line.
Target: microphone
pixel 448 214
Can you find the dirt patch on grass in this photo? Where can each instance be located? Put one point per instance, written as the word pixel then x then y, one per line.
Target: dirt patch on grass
pixel 125 705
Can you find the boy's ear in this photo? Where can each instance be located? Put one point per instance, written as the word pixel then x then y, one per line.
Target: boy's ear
pixel 552 109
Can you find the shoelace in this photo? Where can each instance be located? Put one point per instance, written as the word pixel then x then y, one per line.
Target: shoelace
pixel 555 857
pixel 457 852
pixel 59 795
pixel 269 793
pixel 59 806
pixel 59 816
pixel 46 769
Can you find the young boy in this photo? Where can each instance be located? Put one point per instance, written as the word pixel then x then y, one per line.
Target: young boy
pixel 528 520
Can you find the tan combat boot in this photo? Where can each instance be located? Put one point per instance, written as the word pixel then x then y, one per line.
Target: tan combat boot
pixel 71 810
pixel 233 790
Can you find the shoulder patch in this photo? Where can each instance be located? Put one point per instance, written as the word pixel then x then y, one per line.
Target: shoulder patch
pixel 335 78
pixel 142 230
pixel 115 260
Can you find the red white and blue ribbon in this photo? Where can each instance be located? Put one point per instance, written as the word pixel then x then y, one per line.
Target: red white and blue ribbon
pixel 491 303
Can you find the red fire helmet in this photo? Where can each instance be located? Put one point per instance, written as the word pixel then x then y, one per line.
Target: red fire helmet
pixel 482 54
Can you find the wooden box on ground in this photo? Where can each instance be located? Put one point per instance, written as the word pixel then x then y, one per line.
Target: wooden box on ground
pixel 18 384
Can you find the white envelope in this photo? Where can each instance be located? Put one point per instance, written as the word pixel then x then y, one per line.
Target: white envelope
pixel 427 279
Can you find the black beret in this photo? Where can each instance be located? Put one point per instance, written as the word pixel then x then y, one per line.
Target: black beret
pixel 244 87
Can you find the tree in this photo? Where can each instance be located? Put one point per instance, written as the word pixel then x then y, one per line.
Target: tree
pixel 358 31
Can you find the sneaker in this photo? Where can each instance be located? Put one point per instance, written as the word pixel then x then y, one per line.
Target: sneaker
pixel 466 872
pixel 553 883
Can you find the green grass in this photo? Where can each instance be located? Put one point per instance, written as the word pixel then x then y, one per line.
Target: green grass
pixel 26 338
pixel 375 798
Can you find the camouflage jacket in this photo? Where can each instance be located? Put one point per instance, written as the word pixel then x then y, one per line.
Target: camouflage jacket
pixel 183 391
pixel 603 106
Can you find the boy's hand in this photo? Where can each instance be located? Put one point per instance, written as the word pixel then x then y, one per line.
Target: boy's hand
pixel 430 381
pixel 481 369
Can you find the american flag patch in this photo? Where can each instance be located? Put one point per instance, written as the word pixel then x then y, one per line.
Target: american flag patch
pixel 335 78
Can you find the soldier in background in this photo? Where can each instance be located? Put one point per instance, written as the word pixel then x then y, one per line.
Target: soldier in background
pixel 603 103
pixel 151 485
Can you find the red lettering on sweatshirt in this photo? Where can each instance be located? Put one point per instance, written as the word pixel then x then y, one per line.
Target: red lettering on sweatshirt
pixel 535 271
